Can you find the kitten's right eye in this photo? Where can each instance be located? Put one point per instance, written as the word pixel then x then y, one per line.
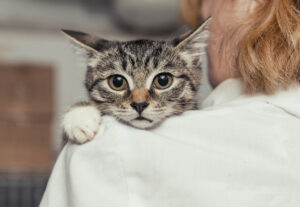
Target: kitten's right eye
pixel 162 81
pixel 117 82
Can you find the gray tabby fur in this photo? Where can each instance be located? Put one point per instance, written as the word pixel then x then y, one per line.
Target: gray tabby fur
pixel 139 61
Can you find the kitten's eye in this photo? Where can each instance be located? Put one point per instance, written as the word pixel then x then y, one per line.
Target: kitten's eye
pixel 117 82
pixel 163 81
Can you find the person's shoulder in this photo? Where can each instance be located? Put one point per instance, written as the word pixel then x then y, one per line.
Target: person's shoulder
pixel 230 97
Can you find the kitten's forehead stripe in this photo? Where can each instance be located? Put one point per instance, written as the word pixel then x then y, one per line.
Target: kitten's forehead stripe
pixel 147 61
pixel 124 65
pixel 155 62
pixel 156 52
pixel 131 61
pixel 121 52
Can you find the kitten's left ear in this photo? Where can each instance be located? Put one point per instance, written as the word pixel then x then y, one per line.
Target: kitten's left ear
pixel 89 43
pixel 192 44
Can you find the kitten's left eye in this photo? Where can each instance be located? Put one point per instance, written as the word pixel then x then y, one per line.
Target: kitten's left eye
pixel 117 82
pixel 163 81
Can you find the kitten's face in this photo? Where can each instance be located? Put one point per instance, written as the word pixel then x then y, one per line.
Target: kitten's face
pixel 142 82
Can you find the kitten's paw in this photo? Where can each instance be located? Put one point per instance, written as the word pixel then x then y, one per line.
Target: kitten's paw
pixel 81 123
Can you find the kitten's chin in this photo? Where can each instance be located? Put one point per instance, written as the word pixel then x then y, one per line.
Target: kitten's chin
pixel 142 124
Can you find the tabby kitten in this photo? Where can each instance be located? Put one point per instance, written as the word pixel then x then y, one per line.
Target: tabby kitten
pixel 139 82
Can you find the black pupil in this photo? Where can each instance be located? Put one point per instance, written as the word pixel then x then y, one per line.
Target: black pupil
pixel 163 80
pixel 118 81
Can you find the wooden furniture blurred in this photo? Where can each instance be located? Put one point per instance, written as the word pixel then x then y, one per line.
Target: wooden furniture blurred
pixel 26 108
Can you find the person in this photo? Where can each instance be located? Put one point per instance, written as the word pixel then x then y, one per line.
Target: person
pixel 241 149
pixel 257 41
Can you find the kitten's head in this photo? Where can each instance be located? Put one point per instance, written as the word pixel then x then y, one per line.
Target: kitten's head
pixel 142 82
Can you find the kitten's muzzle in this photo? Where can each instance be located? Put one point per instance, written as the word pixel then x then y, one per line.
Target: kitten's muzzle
pixel 139 106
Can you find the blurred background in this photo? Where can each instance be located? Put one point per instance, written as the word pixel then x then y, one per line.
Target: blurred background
pixel 40 76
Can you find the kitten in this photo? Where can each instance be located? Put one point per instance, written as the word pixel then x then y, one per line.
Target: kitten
pixel 140 82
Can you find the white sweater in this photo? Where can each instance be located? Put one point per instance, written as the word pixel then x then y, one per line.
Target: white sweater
pixel 238 151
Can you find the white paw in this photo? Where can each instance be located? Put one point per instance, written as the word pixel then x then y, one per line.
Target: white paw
pixel 81 123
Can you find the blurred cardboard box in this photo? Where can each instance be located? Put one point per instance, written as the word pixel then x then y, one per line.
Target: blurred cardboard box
pixel 26 108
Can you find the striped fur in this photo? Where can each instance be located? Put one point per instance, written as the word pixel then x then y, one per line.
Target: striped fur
pixel 139 61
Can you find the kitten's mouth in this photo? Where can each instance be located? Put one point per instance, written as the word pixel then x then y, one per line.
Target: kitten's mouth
pixel 141 118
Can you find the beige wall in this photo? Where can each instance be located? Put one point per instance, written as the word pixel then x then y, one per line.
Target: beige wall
pixel 18 46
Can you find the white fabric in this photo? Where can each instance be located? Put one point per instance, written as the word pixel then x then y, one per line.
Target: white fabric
pixel 238 151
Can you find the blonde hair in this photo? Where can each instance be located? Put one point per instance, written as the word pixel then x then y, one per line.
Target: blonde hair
pixel 267 58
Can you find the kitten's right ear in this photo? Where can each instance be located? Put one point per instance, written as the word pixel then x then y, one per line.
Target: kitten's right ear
pixel 191 45
pixel 194 39
pixel 91 44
